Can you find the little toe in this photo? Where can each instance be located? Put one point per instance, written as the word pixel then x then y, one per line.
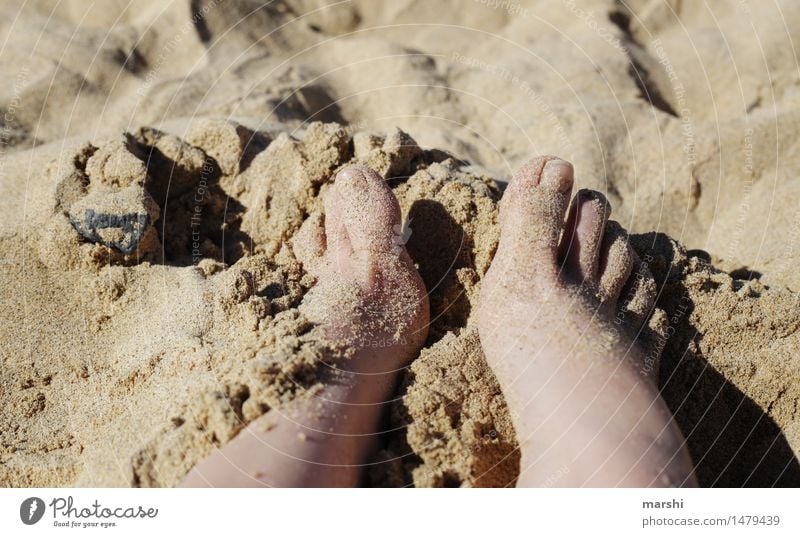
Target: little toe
pixel 532 214
pixel 638 295
pixel 616 262
pixel 583 235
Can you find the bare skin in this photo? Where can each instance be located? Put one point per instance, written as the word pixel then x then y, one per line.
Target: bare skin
pixel 559 310
pixel 369 299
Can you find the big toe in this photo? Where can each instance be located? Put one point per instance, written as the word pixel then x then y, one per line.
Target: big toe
pixel 532 216
pixel 370 210
pixel 362 221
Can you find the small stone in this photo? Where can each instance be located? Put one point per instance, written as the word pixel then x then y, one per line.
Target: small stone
pixel 115 219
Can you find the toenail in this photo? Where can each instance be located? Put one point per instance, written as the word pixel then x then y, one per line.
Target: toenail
pixel 352 182
pixel 558 173
pixel 350 173
pixel 586 194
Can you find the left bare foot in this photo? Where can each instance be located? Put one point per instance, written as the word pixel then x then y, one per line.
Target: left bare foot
pixel 369 300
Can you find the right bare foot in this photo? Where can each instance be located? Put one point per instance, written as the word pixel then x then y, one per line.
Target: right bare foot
pixel 586 409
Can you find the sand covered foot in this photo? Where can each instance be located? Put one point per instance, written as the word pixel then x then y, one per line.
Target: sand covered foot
pixel 370 311
pixel 560 309
pixel 369 294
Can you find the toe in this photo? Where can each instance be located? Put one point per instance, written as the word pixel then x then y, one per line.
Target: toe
pixel 616 262
pixel 370 211
pixel 339 251
pixel 532 214
pixel 638 295
pixel 583 235
pixel 361 224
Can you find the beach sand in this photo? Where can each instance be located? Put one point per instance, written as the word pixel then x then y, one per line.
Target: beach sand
pixel 157 159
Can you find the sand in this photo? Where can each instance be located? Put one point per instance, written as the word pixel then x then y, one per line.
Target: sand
pixel 157 159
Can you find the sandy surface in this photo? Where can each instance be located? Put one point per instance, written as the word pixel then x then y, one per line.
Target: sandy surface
pixel 158 157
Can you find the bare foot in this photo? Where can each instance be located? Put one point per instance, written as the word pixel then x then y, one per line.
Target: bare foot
pixel 561 341
pixel 369 301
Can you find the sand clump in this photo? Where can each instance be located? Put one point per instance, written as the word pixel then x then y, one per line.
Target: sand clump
pixel 88 400
pixel 457 428
pixel 729 368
